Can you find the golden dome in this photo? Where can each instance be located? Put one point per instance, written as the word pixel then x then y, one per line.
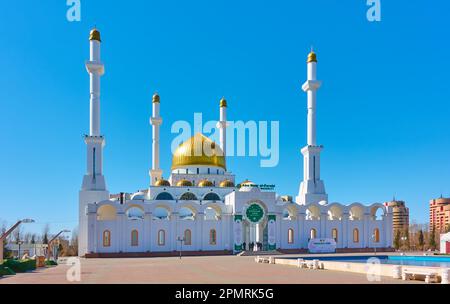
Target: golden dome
pixel 198 150
pixel 95 35
pixel 205 183
pixel 312 57
pixel 162 182
pixel 226 184
pixel 223 102
pixel 155 98
pixel 184 183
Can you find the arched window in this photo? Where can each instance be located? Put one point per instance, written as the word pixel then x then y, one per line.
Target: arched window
pixel 161 238
pixel 135 213
pixel 187 237
pixel 186 213
pixel 188 196
pixel 106 238
pixel 164 196
pixel 334 234
pixel 376 235
pixel 313 233
pixel 160 213
pixel 355 235
pixel 212 237
pixel 291 236
pixel 134 238
pixel 106 213
pixel 211 197
pixel 212 213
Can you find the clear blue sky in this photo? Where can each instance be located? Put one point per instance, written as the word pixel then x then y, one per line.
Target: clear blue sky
pixel 383 109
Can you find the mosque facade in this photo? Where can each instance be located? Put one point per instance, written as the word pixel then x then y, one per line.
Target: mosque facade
pixel 201 209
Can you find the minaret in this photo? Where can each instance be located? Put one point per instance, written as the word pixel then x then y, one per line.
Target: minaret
pixel 222 125
pixel 93 189
pixel 94 179
pixel 312 188
pixel 155 121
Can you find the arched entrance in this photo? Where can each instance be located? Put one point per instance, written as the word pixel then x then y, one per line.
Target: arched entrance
pixel 255 226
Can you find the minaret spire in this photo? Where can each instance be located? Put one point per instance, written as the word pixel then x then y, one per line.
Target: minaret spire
pixel 222 125
pixel 312 189
pixel 155 121
pixel 93 188
pixel 94 179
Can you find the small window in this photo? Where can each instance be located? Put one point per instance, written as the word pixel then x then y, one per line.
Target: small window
pixel 212 237
pixel 161 238
pixel 334 234
pixel 106 238
pixel 188 196
pixel 134 238
pixel 291 236
pixel 211 197
pixel 187 237
pixel 376 235
pixel 313 233
pixel 355 235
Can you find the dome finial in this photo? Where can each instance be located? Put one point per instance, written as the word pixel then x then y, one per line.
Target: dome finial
pixel 312 57
pixel 156 97
pixel 223 102
pixel 95 35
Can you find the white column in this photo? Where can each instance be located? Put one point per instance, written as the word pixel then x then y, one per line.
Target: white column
pixel 367 234
pixel 155 121
pixel 312 188
pixel 95 69
pixel 345 233
pixel 222 125
pixel 323 224
pixel 120 217
pixel 200 234
pixel 311 88
pixel 94 179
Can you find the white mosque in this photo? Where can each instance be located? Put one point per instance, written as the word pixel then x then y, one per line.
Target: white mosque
pixel 201 210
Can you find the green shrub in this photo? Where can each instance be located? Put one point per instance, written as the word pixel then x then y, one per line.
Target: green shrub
pixel 50 263
pixel 20 266
pixel 6 271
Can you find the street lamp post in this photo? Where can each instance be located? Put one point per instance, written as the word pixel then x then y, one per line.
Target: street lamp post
pixel 54 238
pixel 181 240
pixel 8 232
pixel 18 253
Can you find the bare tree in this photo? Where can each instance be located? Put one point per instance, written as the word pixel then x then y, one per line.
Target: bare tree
pixel 45 234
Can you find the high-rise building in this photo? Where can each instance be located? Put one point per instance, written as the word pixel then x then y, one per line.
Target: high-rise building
pixel 440 214
pixel 400 215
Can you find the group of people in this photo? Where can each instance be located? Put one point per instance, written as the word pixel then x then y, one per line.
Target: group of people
pixel 251 246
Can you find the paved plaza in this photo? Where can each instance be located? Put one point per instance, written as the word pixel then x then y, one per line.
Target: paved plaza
pixel 197 270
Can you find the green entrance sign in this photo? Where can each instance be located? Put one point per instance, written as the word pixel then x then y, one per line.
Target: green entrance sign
pixel 254 213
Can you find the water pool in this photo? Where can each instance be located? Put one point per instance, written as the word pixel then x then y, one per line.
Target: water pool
pixel 431 261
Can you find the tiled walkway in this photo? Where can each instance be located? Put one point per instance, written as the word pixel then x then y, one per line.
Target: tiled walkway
pixel 198 270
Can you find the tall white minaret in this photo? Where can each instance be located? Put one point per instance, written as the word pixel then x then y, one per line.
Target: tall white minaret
pixel 93 188
pixel 222 125
pixel 94 179
pixel 312 188
pixel 155 121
